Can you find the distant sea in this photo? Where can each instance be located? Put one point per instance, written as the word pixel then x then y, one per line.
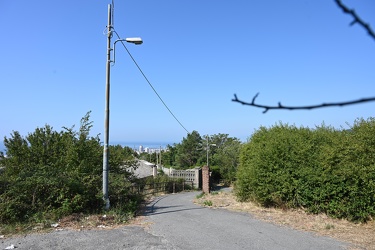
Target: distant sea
pixel 136 145
pixel 133 145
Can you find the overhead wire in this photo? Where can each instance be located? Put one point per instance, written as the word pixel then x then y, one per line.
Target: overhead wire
pixel 149 83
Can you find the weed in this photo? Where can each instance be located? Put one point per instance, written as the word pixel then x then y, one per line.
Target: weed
pixel 207 203
pixel 199 195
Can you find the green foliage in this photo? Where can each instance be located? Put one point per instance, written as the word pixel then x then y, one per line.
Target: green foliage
pixel 169 156
pixel 146 156
pixel 323 170
pixel 198 196
pixel 215 175
pixel 50 174
pixel 119 154
pixel 226 156
pixel 192 151
pixel 188 150
pixel 161 184
pixel 207 203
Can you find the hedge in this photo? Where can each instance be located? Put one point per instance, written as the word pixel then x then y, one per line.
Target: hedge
pixel 323 170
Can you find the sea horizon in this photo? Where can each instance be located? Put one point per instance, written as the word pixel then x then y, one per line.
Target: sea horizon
pixel 144 144
pixel 136 145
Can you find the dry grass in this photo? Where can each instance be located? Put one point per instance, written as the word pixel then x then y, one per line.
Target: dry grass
pixel 80 221
pixel 76 222
pixel 360 236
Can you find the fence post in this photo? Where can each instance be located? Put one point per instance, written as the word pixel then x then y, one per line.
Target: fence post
pixel 174 186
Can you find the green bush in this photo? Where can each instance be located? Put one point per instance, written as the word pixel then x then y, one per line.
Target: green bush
pixel 323 170
pixel 52 174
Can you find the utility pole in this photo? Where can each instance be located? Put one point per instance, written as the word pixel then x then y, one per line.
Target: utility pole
pixel 137 41
pixel 208 148
pixel 160 155
pixel 106 118
pixel 157 157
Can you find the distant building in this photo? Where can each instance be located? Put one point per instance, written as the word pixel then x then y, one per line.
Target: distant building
pixel 144 169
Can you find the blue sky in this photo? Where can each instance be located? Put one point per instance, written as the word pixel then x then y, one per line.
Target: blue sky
pixel 196 54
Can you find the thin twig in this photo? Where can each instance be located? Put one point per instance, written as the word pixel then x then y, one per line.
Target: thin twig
pixel 357 19
pixel 308 107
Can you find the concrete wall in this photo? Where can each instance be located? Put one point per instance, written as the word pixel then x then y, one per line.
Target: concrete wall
pixel 189 174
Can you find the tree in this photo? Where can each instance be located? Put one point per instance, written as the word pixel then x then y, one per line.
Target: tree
pixel 120 156
pixel 189 150
pixel 227 157
pixel 169 156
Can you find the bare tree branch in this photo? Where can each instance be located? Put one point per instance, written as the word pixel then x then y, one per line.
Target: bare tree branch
pixel 309 107
pixel 357 19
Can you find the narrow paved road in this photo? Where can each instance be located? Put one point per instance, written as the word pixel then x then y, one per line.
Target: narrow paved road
pixel 174 222
pixel 185 225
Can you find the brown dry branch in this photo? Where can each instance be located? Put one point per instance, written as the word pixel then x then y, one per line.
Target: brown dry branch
pixel 308 107
pixel 356 18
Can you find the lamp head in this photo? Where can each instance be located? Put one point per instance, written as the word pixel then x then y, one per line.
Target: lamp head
pixel 135 40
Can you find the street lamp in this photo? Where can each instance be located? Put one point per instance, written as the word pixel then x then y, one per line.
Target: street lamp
pixel 208 148
pixel 137 41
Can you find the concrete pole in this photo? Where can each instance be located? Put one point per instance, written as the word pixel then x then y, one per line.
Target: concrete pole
pixel 207 148
pixel 106 117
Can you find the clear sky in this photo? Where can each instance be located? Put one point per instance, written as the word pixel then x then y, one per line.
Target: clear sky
pixel 196 54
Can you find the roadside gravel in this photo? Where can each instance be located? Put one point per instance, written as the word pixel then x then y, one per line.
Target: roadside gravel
pixel 127 237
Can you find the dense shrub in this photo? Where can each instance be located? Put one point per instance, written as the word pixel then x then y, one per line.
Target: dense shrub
pixel 50 174
pixel 322 169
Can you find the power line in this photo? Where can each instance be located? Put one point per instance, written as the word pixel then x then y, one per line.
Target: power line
pixel 149 83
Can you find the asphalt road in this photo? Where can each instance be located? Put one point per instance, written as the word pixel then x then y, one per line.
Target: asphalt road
pixel 188 226
pixel 174 222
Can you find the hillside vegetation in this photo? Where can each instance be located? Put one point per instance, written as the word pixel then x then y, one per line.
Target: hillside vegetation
pixel 49 174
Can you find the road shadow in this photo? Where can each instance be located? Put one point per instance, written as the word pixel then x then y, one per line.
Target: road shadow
pixel 220 188
pixel 153 209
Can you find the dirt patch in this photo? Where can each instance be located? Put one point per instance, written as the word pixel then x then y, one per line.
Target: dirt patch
pixel 80 221
pixel 361 236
